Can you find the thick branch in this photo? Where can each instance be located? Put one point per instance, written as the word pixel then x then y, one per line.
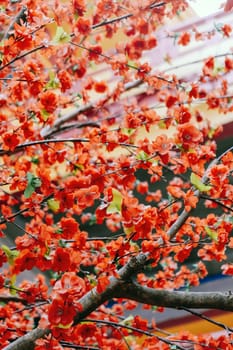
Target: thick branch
pixel 90 302
pixel 26 342
pixel 176 299
pixel 121 288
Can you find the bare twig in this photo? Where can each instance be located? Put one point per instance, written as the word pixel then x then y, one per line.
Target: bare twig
pixel 204 317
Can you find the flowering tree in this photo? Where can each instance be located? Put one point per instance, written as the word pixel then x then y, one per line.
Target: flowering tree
pixel 74 151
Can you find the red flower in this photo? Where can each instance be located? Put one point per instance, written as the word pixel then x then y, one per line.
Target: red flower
pixel 184 252
pixel 61 261
pixel 208 66
pixel 100 86
pixel 10 141
pixel 69 227
pixel 182 115
pixel 171 100
pixel 140 323
pixel 87 196
pixel 82 26
pixel 70 284
pixel 143 187
pixel 65 80
pixel 162 144
pixel 228 64
pixel 86 330
pixel 184 39
pixel 79 7
pixel 61 311
pixel 227 269
pixel 189 135
pixel 24 261
pixel 1 281
pixel 190 200
pixel 226 29
pixel 151 42
pixel 94 52
pixel 49 101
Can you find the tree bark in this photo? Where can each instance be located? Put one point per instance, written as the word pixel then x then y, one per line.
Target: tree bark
pixel 176 299
pixel 121 288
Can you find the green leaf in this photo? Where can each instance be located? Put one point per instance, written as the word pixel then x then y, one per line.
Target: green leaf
pixel 29 191
pixel 92 220
pixel 128 131
pixel 211 233
pixel 127 321
pixel 196 181
pixel 116 203
pixel 12 285
pixel 142 156
pixel 53 82
pixel 10 254
pixel 162 124
pixel 60 37
pixel 35 160
pixel 32 183
pixel 64 326
pixel 62 243
pixel 77 167
pixel 53 205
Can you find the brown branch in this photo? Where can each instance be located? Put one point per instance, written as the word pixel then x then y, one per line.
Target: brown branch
pixel 45 141
pixel 176 299
pixel 8 298
pixel 81 347
pixel 89 302
pixel 27 341
pixel 204 317
pixel 138 330
pixel 126 64
pixel 197 61
pixel 120 18
pixel 47 131
pixel 22 56
pixel 19 212
pixel 121 288
pixel 21 16
pixel 217 202
pixel 113 20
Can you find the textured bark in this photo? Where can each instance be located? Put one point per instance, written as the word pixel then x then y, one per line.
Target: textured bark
pixel 121 288
pixel 177 299
pixel 26 342
pixel 90 302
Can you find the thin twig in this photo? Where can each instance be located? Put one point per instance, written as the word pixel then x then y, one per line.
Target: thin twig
pixel 134 329
pixel 204 317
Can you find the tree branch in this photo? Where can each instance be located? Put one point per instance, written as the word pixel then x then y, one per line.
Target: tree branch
pixel 89 302
pixel 26 342
pixel 46 141
pixel 47 131
pixel 128 15
pixel 204 317
pixel 21 16
pixel 121 288
pixel 176 299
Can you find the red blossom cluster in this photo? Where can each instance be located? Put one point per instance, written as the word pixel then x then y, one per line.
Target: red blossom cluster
pixel 115 188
